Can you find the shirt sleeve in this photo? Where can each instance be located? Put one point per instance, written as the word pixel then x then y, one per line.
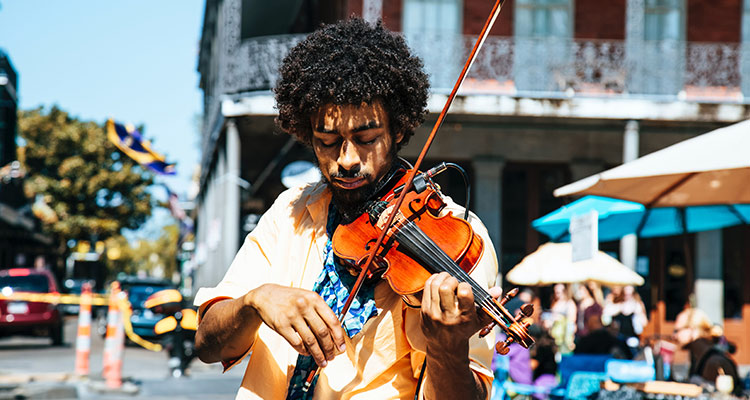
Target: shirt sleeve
pixel 251 267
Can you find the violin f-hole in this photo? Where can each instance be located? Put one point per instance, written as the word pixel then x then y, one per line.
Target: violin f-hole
pixel 416 213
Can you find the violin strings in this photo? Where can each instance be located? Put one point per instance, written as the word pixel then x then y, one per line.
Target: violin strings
pixel 482 297
pixel 438 257
pixel 433 253
pixel 419 243
pixel 448 264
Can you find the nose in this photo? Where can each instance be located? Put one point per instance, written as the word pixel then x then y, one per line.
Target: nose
pixel 348 157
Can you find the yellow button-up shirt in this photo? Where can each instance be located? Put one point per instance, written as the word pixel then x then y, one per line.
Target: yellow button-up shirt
pixel 383 361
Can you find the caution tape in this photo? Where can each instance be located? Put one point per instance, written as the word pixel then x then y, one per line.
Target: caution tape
pixel 126 312
pixel 55 298
pixel 96 300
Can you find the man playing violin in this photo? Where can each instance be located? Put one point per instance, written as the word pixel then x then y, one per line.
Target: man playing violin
pixel 354 93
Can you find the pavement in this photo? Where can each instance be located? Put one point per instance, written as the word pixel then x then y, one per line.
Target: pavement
pixel 205 381
pixel 31 369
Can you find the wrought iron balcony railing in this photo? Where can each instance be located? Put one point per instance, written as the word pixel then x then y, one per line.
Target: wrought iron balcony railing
pixel 717 72
pixel 552 67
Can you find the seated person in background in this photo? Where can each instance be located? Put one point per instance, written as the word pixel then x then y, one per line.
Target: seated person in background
pixel 543 361
pixel 561 320
pixel 518 360
pixel 625 310
pixel 600 340
pixel 530 367
pixel 721 341
pixel 707 361
pixel 587 296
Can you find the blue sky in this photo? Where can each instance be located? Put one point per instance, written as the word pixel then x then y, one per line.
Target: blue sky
pixel 132 60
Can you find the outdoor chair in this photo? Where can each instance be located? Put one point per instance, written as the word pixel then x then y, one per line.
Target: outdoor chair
pixel 629 371
pixel 508 389
pixel 583 384
pixel 570 364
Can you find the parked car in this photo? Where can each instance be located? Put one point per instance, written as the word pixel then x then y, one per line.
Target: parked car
pixel 143 319
pixel 29 317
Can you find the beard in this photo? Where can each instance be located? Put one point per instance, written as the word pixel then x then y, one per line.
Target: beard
pixel 351 203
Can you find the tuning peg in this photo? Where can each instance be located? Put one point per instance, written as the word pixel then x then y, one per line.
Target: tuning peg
pixel 527 310
pixel 486 330
pixel 504 347
pixel 511 294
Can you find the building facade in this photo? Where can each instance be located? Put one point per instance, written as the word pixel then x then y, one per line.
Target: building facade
pixel 22 244
pixel 562 89
pixel 8 109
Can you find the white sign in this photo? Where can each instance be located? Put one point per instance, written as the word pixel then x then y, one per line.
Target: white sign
pixel 584 236
pixel 298 173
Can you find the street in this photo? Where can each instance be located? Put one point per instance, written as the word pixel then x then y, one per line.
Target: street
pixel 144 372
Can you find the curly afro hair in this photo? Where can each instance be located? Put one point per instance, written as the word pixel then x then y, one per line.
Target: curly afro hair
pixel 351 62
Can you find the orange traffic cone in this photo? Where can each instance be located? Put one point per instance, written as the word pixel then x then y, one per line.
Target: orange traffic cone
pixel 83 340
pixel 114 342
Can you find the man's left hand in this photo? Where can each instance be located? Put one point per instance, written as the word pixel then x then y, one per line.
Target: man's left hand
pixel 449 316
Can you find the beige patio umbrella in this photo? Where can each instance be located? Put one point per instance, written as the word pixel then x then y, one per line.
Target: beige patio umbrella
pixel 553 263
pixel 713 168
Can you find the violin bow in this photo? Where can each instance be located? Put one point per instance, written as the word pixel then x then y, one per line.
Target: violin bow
pixel 431 138
pixel 410 177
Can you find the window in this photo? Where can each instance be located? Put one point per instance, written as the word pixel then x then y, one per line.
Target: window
pixel 26 283
pixel 664 20
pixel 433 29
pixel 432 17
pixel 656 46
pixel 542 30
pixel 264 18
pixel 543 18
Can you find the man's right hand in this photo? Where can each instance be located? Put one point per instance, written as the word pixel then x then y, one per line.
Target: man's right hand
pixel 301 317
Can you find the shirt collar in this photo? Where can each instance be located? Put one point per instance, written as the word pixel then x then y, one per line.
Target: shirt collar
pixel 317 204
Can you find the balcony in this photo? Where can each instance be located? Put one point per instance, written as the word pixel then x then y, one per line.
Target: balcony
pixel 537 68
pixel 552 67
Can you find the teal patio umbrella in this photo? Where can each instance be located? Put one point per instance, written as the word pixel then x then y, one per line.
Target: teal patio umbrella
pixel 618 218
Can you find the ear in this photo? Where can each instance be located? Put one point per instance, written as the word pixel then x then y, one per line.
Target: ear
pixel 399 137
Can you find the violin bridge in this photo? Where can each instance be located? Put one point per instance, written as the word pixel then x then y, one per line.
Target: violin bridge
pixel 383 217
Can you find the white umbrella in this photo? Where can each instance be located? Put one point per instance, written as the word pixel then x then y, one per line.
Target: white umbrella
pixel 553 263
pixel 713 168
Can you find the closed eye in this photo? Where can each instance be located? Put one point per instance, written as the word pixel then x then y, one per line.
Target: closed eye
pixel 329 145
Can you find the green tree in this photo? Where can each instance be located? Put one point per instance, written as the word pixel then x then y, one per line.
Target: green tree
pixel 154 257
pixel 93 189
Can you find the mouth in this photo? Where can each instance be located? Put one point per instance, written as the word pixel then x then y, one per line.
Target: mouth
pixel 350 183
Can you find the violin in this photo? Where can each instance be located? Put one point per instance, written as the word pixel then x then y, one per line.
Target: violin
pixel 420 242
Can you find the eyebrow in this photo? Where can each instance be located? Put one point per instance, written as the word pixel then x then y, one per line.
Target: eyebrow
pixel 369 125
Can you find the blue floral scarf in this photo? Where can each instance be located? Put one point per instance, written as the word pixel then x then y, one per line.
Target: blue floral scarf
pixel 333 285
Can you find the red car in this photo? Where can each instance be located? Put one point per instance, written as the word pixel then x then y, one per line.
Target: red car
pixel 29 317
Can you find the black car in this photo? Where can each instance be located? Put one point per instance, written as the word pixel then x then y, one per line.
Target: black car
pixel 74 286
pixel 143 320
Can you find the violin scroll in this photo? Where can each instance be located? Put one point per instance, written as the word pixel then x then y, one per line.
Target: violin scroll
pixel 517 328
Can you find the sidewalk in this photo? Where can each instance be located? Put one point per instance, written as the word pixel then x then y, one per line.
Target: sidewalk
pixel 205 381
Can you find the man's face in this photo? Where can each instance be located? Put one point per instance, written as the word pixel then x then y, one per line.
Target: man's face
pixel 354 148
